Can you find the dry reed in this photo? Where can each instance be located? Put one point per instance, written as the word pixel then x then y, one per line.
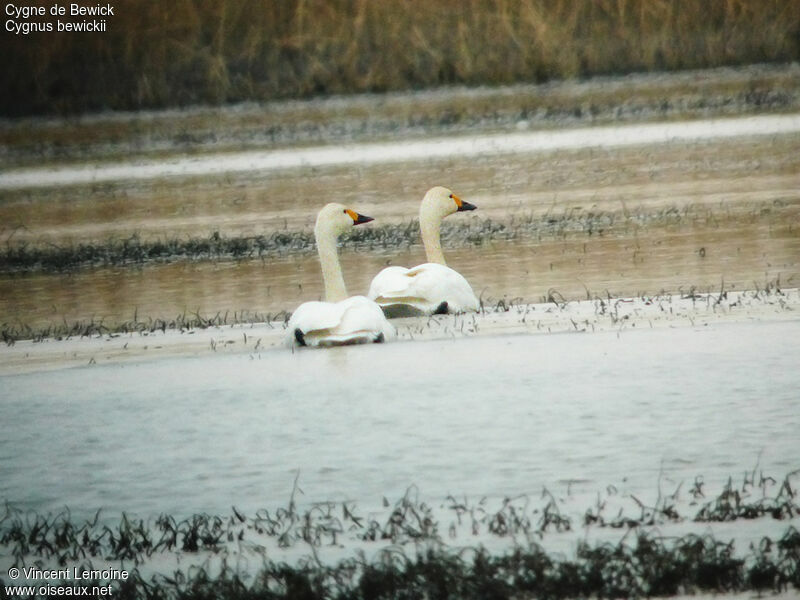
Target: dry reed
pixel 187 52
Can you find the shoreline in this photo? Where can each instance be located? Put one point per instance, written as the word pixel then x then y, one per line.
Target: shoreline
pixel 257 340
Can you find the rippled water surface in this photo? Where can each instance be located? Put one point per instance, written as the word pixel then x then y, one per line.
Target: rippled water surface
pixel 482 416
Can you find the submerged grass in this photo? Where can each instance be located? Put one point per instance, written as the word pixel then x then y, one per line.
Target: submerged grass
pixel 649 565
pixel 190 51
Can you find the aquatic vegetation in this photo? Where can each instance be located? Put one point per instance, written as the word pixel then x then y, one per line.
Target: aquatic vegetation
pixel 25 257
pixel 135 251
pixel 650 567
pixel 732 503
pixel 606 310
pixel 10 333
pixel 417 553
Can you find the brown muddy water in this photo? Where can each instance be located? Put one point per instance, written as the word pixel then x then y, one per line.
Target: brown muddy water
pixel 586 267
pixel 698 214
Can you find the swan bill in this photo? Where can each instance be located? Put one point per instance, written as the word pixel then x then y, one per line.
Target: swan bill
pixel 463 205
pixel 358 219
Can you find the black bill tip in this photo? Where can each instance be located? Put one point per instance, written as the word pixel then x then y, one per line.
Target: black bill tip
pixel 362 219
pixel 466 206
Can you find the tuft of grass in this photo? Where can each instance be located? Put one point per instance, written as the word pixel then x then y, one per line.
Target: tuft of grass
pixel 194 52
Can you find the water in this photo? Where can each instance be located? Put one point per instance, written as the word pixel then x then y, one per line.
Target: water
pixel 735 205
pixel 463 147
pixel 488 416
pixel 663 260
pixel 477 417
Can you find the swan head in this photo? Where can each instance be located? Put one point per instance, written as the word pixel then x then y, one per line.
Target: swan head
pixel 335 219
pixel 440 202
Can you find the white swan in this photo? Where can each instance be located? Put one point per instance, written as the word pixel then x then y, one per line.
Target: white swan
pixel 340 320
pixel 433 287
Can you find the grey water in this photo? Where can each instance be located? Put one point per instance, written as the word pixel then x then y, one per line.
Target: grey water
pixel 485 416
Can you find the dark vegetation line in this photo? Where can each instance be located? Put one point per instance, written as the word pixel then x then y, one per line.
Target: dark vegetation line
pixel 23 257
pixel 11 333
pixel 187 52
pixel 651 567
pixel 647 565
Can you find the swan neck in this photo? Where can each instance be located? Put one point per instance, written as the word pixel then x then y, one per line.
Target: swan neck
pixel 335 290
pixel 429 228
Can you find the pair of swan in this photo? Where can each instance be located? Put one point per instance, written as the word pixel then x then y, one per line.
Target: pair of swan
pixel 430 288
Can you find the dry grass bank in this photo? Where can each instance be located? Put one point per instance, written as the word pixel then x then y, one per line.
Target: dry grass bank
pixel 190 51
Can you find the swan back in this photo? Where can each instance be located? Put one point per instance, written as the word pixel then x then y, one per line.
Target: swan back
pixel 355 320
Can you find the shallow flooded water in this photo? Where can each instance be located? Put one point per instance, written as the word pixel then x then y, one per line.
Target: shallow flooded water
pixel 728 176
pixel 575 268
pixel 463 147
pixel 688 214
pixel 478 417
pixel 628 412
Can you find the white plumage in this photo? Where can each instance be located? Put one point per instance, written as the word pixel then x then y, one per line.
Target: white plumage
pixel 356 320
pixel 432 287
pixel 339 320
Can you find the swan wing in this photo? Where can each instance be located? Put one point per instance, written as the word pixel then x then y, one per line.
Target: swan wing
pixel 355 320
pixel 421 290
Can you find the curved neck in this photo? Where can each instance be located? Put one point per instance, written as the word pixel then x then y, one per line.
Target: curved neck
pixel 335 289
pixel 429 227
